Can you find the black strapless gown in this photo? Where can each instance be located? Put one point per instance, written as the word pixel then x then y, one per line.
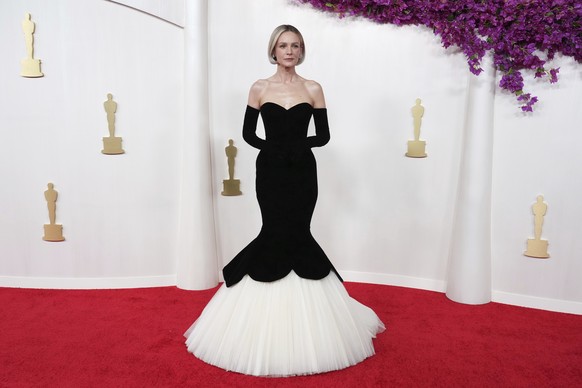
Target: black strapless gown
pixel 286 186
pixel 283 309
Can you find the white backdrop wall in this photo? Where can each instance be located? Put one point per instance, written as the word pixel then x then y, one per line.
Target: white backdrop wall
pixel 119 213
pixel 381 217
pixel 539 154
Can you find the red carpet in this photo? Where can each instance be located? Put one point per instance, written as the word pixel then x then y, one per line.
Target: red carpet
pixel 133 338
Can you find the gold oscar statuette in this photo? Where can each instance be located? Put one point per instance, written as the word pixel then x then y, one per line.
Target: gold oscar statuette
pixel 536 247
pixel 52 230
pixel 29 67
pixel 416 147
pixel 111 144
pixel 231 186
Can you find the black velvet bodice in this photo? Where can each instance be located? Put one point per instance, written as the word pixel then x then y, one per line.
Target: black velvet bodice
pixel 286 186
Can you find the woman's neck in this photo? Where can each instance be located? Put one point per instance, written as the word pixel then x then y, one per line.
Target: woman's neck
pixel 286 74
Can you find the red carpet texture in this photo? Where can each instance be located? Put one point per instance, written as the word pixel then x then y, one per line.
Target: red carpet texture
pixel 133 338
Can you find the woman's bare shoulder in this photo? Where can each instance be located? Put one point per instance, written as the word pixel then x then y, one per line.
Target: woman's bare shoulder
pixel 316 93
pixel 311 84
pixel 259 86
pixel 256 92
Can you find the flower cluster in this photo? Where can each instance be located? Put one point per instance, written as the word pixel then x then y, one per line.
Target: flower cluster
pixel 521 34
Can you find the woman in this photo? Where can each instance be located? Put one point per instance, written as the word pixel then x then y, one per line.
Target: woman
pixel 283 309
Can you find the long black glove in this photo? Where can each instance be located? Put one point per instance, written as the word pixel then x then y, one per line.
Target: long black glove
pixel 321 137
pixel 250 135
pixel 250 128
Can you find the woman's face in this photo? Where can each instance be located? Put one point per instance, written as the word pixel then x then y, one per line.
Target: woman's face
pixel 288 49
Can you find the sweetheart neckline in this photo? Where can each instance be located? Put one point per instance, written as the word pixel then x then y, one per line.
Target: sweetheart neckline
pixel 282 107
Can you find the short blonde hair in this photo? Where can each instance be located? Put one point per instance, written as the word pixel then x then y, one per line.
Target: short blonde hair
pixel 275 37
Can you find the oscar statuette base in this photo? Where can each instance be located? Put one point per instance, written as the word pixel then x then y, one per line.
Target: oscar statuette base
pixel 30 68
pixel 112 146
pixel 231 187
pixel 416 149
pixel 53 232
pixel 537 249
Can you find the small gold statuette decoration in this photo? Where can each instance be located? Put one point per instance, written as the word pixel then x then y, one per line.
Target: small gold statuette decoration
pixel 29 67
pixel 52 231
pixel 231 186
pixel 537 247
pixel 416 147
pixel 111 144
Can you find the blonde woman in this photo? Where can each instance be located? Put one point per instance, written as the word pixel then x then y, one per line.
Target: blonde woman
pixel 283 309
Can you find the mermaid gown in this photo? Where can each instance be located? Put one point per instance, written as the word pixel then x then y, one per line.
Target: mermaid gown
pixel 282 309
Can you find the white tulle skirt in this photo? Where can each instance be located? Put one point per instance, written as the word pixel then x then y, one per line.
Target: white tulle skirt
pixel 292 326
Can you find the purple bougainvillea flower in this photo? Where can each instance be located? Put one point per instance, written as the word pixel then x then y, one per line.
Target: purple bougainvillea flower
pixel 517 32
